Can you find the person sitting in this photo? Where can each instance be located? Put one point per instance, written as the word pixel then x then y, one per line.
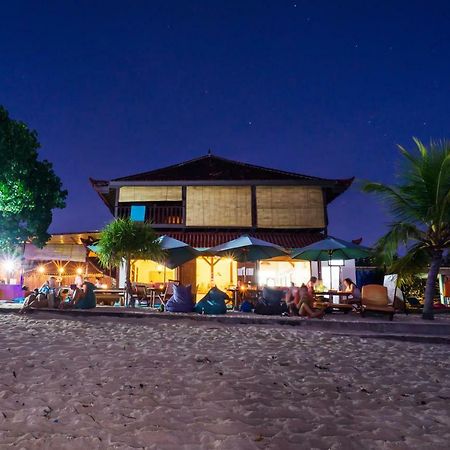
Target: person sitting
pixel 292 299
pixel 44 297
pixel 311 285
pixel 83 298
pixel 350 286
pixel 305 305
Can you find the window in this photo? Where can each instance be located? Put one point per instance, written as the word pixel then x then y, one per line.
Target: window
pixel 137 213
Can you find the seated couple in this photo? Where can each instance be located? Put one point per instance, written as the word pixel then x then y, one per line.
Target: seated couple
pixel 300 302
pixel 49 296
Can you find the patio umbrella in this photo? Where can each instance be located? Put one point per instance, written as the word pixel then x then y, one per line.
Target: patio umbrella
pixel 247 248
pixel 330 249
pixel 176 252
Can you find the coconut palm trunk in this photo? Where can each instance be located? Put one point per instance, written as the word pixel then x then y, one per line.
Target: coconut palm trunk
pixel 435 265
pixel 128 289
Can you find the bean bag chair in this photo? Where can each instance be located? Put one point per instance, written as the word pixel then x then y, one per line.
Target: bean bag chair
pixel 212 303
pixel 271 303
pixel 246 306
pixel 181 300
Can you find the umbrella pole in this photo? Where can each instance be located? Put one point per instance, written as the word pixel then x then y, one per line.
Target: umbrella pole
pixel 331 272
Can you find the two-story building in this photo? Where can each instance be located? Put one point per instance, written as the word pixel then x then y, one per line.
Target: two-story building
pixel 210 200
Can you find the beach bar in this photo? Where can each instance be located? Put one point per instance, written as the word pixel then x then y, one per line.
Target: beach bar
pixel 210 200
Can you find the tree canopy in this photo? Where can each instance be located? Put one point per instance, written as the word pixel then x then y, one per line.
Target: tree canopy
pixel 125 240
pixel 29 188
pixel 420 207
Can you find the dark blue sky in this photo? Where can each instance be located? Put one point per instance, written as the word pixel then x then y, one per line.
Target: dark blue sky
pixel 323 88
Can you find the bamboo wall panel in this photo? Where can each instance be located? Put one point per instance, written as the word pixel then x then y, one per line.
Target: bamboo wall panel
pixel 150 194
pixel 290 207
pixel 187 274
pixel 218 206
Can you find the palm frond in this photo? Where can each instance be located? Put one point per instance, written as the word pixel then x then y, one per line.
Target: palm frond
pixel 415 261
pixel 419 203
pixel 400 234
pixel 398 203
pixel 126 239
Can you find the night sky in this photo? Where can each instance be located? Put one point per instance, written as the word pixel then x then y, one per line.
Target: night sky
pixel 323 88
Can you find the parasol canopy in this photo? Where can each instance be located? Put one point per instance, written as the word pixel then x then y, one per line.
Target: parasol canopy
pixel 331 248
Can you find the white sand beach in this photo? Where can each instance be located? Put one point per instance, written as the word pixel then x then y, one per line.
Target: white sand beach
pixel 119 383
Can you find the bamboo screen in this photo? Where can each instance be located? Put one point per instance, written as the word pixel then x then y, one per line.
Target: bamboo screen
pixel 290 207
pixel 150 194
pixel 218 206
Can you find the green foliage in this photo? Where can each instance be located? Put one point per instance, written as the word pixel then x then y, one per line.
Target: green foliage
pixel 126 239
pixel 29 189
pixel 414 287
pixel 420 206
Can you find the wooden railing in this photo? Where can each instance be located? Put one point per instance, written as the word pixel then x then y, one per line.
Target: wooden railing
pixel 157 215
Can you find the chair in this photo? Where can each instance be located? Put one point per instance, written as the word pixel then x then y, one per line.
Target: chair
pixel 140 294
pixel 374 298
pixel 168 292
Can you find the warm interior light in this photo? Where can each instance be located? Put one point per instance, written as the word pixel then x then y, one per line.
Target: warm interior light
pixel 8 265
pixel 79 270
pixel 41 269
pixel 61 270
pixel 104 286
pixel 159 268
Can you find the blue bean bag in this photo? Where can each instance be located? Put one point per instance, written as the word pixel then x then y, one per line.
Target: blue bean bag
pixel 271 303
pixel 181 300
pixel 212 303
pixel 246 306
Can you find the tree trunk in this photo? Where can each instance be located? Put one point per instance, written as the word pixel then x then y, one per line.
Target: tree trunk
pixel 435 264
pixel 128 290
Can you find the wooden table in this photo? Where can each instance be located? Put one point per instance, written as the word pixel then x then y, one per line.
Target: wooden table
pixel 343 304
pixel 110 296
pixel 153 292
pixel 343 296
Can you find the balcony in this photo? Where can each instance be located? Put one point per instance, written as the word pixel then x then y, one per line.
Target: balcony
pixel 157 215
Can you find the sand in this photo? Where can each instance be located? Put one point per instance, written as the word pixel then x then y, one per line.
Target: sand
pixel 107 383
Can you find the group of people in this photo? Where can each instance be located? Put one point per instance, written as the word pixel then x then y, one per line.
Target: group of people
pixel 300 300
pixel 49 295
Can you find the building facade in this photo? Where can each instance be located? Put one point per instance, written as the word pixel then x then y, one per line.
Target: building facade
pixel 210 200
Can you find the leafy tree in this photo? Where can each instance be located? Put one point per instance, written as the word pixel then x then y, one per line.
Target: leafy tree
pixel 124 239
pixel 29 189
pixel 420 206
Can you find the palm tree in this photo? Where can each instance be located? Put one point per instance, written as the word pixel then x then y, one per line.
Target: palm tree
pixel 420 206
pixel 124 239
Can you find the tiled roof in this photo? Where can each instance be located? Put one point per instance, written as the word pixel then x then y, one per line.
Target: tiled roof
pixel 203 239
